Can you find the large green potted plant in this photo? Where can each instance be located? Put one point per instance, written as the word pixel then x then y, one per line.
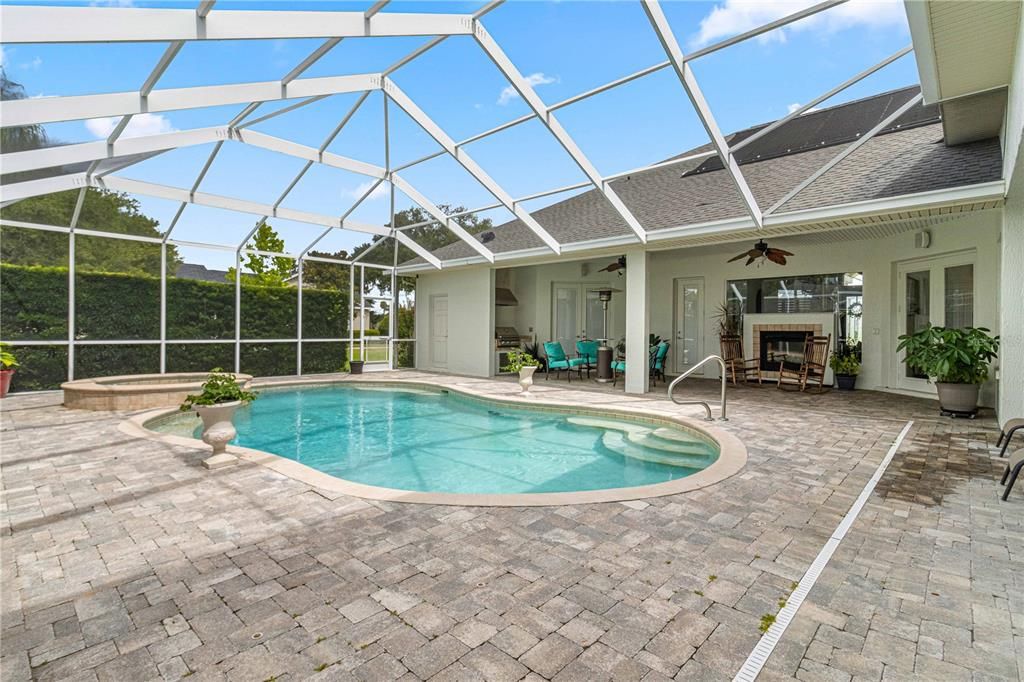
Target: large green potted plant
pixel 525 365
pixel 7 365
pixel 956 359
pixel 216 406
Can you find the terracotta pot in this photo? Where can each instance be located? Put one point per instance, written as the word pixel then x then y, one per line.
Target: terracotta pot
pixel 218 427
pixel 526 379
pixel 962 398
pixel 846 382
pixel 5 381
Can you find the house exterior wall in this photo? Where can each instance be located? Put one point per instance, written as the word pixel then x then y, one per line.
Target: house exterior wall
pixel 1011 302
pixel 876 258
pixel 470 295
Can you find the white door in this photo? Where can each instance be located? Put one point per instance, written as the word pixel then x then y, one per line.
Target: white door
pixel 439 331
pixel 688 342
pixel 576 314
pixel 935 291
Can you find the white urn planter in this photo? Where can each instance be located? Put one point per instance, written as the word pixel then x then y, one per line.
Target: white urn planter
pixel 526 380
pixel 218 430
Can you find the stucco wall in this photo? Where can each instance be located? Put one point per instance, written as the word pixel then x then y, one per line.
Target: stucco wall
pixel 1014 124
pixel 470 295
pixel 876 258
pixel 1011 331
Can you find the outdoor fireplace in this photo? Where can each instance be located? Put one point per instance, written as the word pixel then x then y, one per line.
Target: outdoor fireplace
pixel 786 347
pixel 776 343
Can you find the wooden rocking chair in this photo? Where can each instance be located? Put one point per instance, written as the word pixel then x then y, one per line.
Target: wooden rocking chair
pixel 735 364
pixel 812 370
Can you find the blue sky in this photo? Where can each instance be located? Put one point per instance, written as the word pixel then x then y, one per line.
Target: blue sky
pixel 565 47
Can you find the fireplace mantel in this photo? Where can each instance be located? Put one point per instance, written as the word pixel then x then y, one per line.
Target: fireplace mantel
pixel 818 324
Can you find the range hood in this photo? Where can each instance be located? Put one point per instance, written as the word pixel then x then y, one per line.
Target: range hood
pixel 504 297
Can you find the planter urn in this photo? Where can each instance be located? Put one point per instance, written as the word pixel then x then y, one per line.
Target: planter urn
pixel 355 366
pixel 526 380
pixel 958 398
pixel 5 381
pixel 218 427
pixel 846 382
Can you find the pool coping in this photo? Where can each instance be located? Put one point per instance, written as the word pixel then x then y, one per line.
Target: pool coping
pixel 731 459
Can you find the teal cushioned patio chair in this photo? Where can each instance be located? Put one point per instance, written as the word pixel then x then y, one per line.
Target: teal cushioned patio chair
pixel 618 367
pixel 559 362
pixel 658 361
pixel 587 351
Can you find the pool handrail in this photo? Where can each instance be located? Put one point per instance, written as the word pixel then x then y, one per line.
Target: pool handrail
pixel 721 363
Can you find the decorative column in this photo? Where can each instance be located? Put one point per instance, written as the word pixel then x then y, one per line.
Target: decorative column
pixel 637 322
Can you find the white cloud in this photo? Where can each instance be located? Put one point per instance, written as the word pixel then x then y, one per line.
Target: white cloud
pixel 379 193
pixel 534 79
pixel 796 105
pixel 736 16
pixel 5 54
pixel 141 124
pixel 32 65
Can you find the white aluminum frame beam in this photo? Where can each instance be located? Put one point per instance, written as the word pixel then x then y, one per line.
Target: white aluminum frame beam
pixel 33 24
pixel 409 107
pixel 529 95
pixel 700 105
pixel 39 110
pixel 849 149
pixel 439 216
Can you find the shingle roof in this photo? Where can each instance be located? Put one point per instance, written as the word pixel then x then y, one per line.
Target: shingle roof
pixel 908 157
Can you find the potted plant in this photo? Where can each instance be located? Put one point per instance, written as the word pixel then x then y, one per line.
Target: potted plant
pixel 533 350
pixel 7 365
pixel 845 366
pixel 729 321
pixel 216 406
pixel 957 359
pixel 525 364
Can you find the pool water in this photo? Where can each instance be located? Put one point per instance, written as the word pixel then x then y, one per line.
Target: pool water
pixel 419 440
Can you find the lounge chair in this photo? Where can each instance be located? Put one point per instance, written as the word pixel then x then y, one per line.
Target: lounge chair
pixel 658 361
pixel 1013 467
pixel 587 351
pixel 618 367
pixel 558 361
pixel 1006 433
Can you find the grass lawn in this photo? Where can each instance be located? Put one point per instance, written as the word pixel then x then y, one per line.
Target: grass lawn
pixel 374 353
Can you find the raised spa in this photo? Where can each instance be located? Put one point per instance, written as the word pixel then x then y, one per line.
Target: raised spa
pixel 135 391
pixel 436 441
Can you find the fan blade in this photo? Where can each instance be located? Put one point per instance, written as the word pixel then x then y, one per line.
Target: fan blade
pixel 750 260
pixel 734 258
pixel 784 253
pixel 775 257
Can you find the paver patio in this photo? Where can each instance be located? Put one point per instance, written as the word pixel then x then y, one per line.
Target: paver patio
pixel 124 559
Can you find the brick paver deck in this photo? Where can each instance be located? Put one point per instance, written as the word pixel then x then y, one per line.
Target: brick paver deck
pixel 124 559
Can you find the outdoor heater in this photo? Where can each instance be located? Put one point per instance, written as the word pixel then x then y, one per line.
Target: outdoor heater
pixel 604 351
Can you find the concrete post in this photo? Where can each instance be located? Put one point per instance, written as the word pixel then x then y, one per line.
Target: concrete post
pixel 637 321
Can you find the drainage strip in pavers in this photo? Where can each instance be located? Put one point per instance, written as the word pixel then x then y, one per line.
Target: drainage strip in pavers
pixel 766 645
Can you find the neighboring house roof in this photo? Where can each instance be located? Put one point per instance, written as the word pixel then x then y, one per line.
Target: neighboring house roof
pixel 200 272
pixel 908 157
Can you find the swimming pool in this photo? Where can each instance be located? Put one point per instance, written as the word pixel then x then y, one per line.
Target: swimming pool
pixel 418 440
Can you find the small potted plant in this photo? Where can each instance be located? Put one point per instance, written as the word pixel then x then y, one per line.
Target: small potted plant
pixel 845 366
pixel 7 365
pixel 216 406
pixel 525 364
pixel 957 359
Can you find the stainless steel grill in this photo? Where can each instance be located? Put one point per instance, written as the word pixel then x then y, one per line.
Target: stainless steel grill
pixel 506 337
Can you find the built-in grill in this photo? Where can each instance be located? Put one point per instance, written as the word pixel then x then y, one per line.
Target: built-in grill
pixel 506 337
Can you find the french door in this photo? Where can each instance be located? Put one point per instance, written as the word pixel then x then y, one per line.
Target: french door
pixel 439 331
pixel 937 292
pixel 576 314
pixel 688 346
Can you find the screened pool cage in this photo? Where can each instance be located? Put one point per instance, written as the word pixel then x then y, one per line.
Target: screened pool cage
pixel 234 329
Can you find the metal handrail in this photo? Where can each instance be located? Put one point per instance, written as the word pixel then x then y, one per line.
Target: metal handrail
pixel 671 387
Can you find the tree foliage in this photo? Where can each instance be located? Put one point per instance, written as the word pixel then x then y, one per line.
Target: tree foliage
pixel 103 211
pixel 18 138
pixel 268 271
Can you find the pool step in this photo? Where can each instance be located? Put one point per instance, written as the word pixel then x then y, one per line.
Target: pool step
pixel 617 442
pixel 655 442
pixel 608 424
pixel 676 435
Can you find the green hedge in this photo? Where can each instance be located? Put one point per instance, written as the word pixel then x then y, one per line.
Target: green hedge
pixel 33 306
